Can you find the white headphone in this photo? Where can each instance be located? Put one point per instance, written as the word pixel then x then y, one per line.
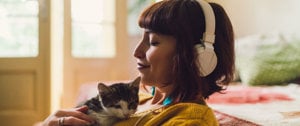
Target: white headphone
pixel 207 59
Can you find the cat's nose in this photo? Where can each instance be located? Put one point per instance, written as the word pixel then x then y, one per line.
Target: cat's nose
pixel 126 115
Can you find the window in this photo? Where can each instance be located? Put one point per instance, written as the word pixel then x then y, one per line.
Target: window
pixel 93 28
pixel 18 28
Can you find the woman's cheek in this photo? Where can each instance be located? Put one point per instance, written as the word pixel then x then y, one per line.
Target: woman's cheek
pixel 151 55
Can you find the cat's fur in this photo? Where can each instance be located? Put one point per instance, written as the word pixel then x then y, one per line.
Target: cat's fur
pixel 113 103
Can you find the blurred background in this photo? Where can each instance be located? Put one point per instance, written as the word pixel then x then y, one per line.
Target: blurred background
pixel 50 48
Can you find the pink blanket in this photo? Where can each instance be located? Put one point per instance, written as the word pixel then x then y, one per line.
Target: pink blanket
pixel 246 94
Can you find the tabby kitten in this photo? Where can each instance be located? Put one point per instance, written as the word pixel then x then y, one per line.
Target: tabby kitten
pixel 113 103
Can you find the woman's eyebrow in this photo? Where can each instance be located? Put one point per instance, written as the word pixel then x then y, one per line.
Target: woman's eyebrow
pixel 149 31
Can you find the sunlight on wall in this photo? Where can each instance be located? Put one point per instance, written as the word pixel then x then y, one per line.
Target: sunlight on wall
pixel 56 56
pixel 262 16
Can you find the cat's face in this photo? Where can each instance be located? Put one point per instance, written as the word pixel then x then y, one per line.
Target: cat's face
pixel 120 99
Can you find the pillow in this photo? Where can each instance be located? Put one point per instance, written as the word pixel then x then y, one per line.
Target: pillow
pixel 268 59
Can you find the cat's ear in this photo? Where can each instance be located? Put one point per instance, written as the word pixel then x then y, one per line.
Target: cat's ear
pixel 102 88
pixel 136 82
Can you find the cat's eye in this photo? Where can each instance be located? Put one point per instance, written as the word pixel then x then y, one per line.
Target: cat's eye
pixel 132 105
pixel 117 106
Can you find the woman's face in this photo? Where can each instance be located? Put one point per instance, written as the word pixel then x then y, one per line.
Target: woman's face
pixel 154 55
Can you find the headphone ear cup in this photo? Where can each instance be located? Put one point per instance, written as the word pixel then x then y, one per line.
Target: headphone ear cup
pixel 206 60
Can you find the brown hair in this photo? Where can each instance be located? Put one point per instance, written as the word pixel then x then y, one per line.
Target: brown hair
pixel 184 20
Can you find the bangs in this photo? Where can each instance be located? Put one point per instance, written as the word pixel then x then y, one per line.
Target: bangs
pixel 158 18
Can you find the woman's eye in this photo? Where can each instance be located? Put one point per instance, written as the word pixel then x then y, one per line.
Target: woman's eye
pixel 154 43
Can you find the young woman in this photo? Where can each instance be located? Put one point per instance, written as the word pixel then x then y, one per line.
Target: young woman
pixel 171 61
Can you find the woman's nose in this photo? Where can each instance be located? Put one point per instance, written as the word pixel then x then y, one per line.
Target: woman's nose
pixel 139 51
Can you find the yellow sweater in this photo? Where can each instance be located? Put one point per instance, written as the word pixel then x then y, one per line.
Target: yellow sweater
pixel 180 114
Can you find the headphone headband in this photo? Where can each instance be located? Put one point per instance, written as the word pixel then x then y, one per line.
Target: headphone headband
pixel 209 34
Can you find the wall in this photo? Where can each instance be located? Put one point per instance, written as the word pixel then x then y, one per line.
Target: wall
pixel 262 16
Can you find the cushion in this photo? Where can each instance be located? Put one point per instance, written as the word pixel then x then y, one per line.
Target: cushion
pixel 268 59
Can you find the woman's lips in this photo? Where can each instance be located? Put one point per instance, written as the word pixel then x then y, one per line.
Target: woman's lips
pixel 142 66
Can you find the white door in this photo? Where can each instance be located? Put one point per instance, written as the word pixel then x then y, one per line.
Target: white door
pixel 96 46
pixel 24 62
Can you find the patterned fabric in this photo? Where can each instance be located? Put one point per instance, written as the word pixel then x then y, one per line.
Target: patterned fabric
pixel 227 120
pixel 240 94
pixel 275 113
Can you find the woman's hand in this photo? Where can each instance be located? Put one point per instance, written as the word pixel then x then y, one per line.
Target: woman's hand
pixel 70 117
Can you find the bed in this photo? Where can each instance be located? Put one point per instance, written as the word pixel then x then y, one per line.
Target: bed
pixel 262 105
pixel 266 89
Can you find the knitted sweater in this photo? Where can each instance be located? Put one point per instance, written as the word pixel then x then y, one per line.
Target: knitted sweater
pixel 180 114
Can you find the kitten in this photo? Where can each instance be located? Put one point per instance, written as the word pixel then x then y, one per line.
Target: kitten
pixel 113 103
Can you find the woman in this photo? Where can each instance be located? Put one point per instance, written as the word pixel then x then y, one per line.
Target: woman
pixel 168 62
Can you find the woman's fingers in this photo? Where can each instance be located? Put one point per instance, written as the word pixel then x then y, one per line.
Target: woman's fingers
pixel 69 117
pixel 73 121
pixel 82 109
pixel 76 115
